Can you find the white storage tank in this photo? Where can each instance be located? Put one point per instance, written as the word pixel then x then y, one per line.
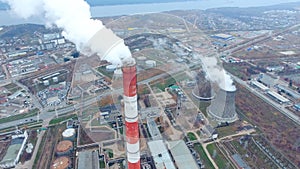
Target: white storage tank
pixel 111 68
pixel 46 82
pixel 69 134
pixel 55 79
pixel 150 63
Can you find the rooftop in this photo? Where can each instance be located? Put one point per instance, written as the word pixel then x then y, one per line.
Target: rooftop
pixel 88 160
pixel 182 155
pixel 160 155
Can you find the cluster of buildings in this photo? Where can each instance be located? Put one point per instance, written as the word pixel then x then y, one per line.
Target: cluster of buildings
pixel 54 94
pixel 14 150
pixel 277 91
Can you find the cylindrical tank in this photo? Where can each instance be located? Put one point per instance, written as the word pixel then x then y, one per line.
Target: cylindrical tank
pixel 64 148
pixel 150 63
pixel 111 68
pixel 61 163
pixel 69 134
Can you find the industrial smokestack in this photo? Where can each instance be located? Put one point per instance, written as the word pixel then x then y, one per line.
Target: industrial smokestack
pixel 222 108
pixel 131 114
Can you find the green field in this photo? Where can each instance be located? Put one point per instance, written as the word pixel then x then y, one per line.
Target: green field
pixel 203 156
pixel 32 113
pixel 61 119
pixel 218 157
pixel 191 136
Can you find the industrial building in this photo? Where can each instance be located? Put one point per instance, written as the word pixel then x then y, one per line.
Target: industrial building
pixel 182 155
pixel 288 91
pixel 297 107
pixel 161 155
pixel 258 85
pixel 88 160
pixel 222 108
pixel 14 151
pixel 267 80
pixel 223 36
pixel 277 97
pixel 153 129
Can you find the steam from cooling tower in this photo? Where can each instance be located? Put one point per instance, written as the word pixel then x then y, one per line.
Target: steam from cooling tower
pixel 74 17
pixel 217 74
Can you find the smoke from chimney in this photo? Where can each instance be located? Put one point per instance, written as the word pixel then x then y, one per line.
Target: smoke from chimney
pixel 217 74
pixel 74 17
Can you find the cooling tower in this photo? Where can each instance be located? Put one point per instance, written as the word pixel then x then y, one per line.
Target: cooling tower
pixel 222 108
pixel 203 89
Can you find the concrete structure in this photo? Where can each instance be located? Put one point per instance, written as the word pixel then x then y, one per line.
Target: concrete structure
pixel 203 89
pixel 61 163
pixel 182 155
pixel 69 134
pixel 14 151
pixel 88 160
pixel 160 155
pixel 64 148
pixel 131 115
pixel 222 108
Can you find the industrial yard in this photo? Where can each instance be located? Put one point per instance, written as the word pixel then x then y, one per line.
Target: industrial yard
pixel 205 90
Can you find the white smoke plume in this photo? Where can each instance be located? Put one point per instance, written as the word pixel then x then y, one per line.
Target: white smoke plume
pixel 217 74
pixel 74 17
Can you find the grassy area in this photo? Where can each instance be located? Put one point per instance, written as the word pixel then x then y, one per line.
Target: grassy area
pixel 226 131
pixel 95 122
pixel 110 153
pixel 40 150
pixel 63 118
pixel 203 156
pixel 12 87
pixel 191 136
pixel 102 164
pixel 164 83
pixel 203 106
pixel 19 116
pixel 103 71
pixel 218 157
pixel 31 125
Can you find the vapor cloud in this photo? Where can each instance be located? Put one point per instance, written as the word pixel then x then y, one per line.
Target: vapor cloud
pixel 217 74
pixel 74 17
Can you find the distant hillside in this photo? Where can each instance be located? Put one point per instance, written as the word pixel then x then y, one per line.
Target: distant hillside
pixel 254 11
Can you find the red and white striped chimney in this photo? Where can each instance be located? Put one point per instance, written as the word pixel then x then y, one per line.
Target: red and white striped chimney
pixel 131 115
